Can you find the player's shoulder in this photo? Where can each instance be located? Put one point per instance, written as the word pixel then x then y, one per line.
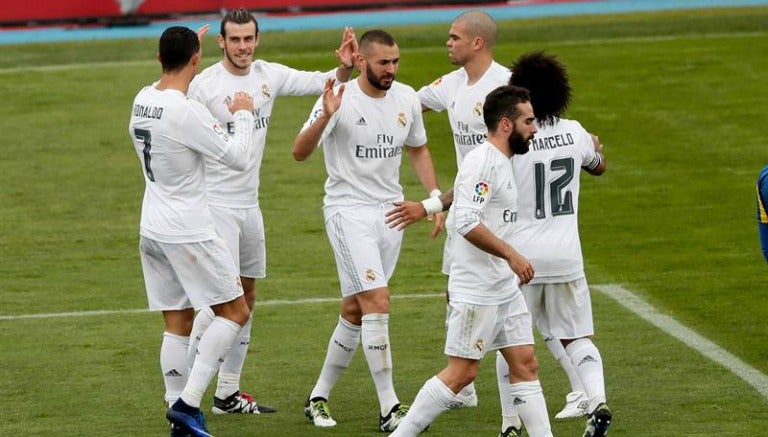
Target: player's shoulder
pixel 403 88
pixel 499 73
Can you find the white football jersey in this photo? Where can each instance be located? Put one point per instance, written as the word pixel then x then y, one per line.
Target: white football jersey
pixel 464 104
pixel 547 177
pixel 484 192
pixel 173 136
pixel 265 81
pixel 363 144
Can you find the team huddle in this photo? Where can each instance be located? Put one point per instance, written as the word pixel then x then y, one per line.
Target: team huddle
pixel 512 254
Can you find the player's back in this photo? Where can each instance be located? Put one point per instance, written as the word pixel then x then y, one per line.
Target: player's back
pixel 175 205
pixel 548 181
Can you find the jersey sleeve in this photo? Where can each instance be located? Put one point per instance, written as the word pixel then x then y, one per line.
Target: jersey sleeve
pixel 433 95
pixel 473 189
pixel 590 159
pixel 292 82
pixel 417 136
pixel 205 135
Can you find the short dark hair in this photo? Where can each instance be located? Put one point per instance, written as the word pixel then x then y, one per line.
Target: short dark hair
pixel 376 36
pixel 238 16
pixel 502 102
pixel 177 46
pixel 547 80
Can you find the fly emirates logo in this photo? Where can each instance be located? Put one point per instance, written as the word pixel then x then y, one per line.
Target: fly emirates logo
pixel 384 148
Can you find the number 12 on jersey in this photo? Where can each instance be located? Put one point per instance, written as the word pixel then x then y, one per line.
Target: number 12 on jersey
pixel 561 200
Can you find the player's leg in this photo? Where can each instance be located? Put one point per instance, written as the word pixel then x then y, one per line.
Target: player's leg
pixel 378 354
pixel 574 327
pixel 164 293
pixel 438 394
pixel 515 341
pixel 211 280
pixel 341 349
pixel 576 400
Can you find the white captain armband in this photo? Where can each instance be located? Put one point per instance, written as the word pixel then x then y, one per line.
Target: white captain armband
pixel 433 205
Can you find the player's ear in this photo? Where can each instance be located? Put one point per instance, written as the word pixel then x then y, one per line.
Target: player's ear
pixel 220 41
pixel 258 38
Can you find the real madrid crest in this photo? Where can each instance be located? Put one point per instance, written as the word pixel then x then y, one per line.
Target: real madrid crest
pixel 370 276
pixel 478 111
pixel 265 90
pixel 480 345
pixel 401 119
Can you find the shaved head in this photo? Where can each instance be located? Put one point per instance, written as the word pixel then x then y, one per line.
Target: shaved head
pixel 479 24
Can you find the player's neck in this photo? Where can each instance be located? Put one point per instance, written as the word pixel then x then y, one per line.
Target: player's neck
pixel 174 81
pixel 500 143
pixel 234 69
pixel 370 90
pixel 477 67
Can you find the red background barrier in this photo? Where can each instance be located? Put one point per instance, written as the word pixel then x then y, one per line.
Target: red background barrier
pixel 15 11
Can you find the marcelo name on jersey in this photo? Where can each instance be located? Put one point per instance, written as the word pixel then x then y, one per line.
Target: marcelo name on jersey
pixel 258 122
pixel 385 148
pixel 552 142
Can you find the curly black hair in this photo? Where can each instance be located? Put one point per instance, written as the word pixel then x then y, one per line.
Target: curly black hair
pixel 547 80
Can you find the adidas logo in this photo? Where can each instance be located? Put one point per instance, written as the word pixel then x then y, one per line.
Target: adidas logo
pixel 518 401
pixel 587 359
pixel 172 372
pixel 361 122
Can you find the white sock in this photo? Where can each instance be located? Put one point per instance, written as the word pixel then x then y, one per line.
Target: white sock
pixel 214 344
pixel 529 400
pixel 378 353
pixel 509 415
pixel 203 319
pixel 232 367
pixel 433 398
pixel 589 365
pixel 173 364
pixel 341 349
pixel 558 352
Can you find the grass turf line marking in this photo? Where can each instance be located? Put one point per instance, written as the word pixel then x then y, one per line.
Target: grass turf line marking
pixel 622 296
pixel 258 304
pixel 635 304
pixel 277 57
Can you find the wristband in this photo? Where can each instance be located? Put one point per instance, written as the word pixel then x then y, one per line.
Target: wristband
pixel 433 205
pixel 435 193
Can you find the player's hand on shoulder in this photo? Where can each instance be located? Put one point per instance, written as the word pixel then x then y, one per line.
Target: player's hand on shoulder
pixel 241 101
pixel 596 143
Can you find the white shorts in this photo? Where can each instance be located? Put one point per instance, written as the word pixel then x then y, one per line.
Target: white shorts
pixel 366 249
pixel 242 229
pixel 185 275
pixel 474 330
pixel 562 310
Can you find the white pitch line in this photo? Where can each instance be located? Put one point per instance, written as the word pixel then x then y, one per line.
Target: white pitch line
pixel 630 301
pixel 278 57
pixel 258 304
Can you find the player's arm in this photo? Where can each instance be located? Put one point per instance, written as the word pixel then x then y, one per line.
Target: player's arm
pixel 422 163
pixel 482 238
pixel 307 140
pixel 206 136
pixel 408 212
pixel 598 165
pixel 346 55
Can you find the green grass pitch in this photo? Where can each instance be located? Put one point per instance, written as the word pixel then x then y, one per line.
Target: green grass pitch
pixel 678 98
